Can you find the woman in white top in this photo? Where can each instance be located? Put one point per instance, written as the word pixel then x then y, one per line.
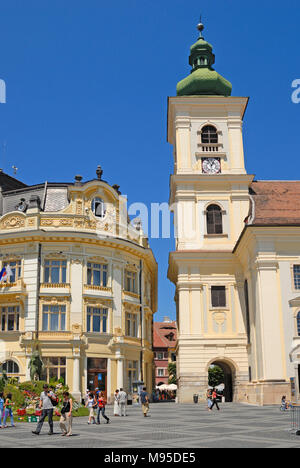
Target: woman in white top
pixel 117 408
pixel 91 404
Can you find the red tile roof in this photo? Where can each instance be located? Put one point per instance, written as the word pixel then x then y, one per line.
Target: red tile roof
pixel 275 202
pixel 160 331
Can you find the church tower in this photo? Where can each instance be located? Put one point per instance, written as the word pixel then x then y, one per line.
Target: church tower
pixel 210 200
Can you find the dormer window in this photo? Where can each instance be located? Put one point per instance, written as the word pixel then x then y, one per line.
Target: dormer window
pixel 98 208
pixel 209 135
pixel 170 337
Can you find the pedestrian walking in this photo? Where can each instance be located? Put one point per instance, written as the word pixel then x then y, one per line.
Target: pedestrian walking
pixel 117 403
pixel 66 415
pixel 101 408
pixel 91 405
pixel 209 399
pixel 145 402
pixel 214 399
pixel 123 402
pixel 1 409
pixel 8 411
pixel 47 402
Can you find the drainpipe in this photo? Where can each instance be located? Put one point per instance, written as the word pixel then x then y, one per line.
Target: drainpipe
pixel 141 320
pixel 38 288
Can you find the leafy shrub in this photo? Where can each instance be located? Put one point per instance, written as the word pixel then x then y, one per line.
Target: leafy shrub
pixel 32 387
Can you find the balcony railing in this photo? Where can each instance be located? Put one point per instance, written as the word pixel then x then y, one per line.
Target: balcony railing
pixel 55 285
pixel 209 147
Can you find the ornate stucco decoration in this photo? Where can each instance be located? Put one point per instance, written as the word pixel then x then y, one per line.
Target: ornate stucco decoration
pixel 12 221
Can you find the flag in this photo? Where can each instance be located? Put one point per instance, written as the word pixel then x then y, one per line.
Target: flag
pixel 9 272
pixel 3 275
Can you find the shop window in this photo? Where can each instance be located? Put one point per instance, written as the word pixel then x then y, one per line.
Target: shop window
pixel 54 369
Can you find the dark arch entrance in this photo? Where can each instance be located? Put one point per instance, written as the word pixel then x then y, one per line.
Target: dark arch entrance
pixel 228 379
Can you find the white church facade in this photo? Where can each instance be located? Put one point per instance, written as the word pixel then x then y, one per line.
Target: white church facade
pixel 236 266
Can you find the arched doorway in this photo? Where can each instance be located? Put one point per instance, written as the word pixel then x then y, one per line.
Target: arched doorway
pixel 228 378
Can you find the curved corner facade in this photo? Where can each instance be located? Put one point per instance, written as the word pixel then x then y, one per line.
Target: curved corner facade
pixel 82 284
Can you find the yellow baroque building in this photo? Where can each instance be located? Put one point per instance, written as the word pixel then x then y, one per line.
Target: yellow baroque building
pixel 83 285
pixel 236 266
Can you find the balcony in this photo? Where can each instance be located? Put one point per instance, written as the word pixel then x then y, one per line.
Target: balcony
pixel 97 288
pixel 55 289
pixel 16 290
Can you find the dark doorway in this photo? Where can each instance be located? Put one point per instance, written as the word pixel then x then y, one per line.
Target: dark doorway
pixel 97 374
pixel 228 380
pixel 299 378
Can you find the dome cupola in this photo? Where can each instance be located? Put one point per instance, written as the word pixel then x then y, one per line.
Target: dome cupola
pixel 203 80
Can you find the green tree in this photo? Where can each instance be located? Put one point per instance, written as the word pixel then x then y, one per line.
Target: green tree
pixel 215 376
pixel 3 380
pixel 172 373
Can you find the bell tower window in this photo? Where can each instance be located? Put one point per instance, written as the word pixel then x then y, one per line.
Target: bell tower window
pixel 209 135
pixel 214 220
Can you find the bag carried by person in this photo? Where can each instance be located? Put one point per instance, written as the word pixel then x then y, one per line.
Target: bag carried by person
pixel 54 400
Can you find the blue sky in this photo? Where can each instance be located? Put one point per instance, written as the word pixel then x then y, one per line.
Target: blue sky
pixel 87 84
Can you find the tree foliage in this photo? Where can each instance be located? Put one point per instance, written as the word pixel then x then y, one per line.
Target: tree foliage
pixel 172 373
pixel 215 376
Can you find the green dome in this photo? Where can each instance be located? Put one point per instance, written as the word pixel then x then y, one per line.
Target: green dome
pixel 203 80
pixel 201 44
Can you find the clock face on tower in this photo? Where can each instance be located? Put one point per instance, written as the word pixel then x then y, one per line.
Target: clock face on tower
pixel 211 166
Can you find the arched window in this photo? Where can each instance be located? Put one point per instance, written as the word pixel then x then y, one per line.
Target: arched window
pixel 298 323
pixel 10 367
pixel 209 135
pixel 214 220
pixel 98 208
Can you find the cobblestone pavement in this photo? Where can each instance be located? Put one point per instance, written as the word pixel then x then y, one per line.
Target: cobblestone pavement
pixel 170 426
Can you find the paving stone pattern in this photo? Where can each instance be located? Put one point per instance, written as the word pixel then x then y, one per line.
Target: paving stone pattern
pixel 169 426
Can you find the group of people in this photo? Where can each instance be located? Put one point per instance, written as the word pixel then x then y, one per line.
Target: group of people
pixel 120 402
pixel 96 403
pixel 48 401
pixel 164 395
pixel 6 410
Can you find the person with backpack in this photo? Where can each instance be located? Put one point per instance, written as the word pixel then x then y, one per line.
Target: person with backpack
pixel 66 415
pixel 48 401
pixel 8 412
pixel 145 402
pixel 101 408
